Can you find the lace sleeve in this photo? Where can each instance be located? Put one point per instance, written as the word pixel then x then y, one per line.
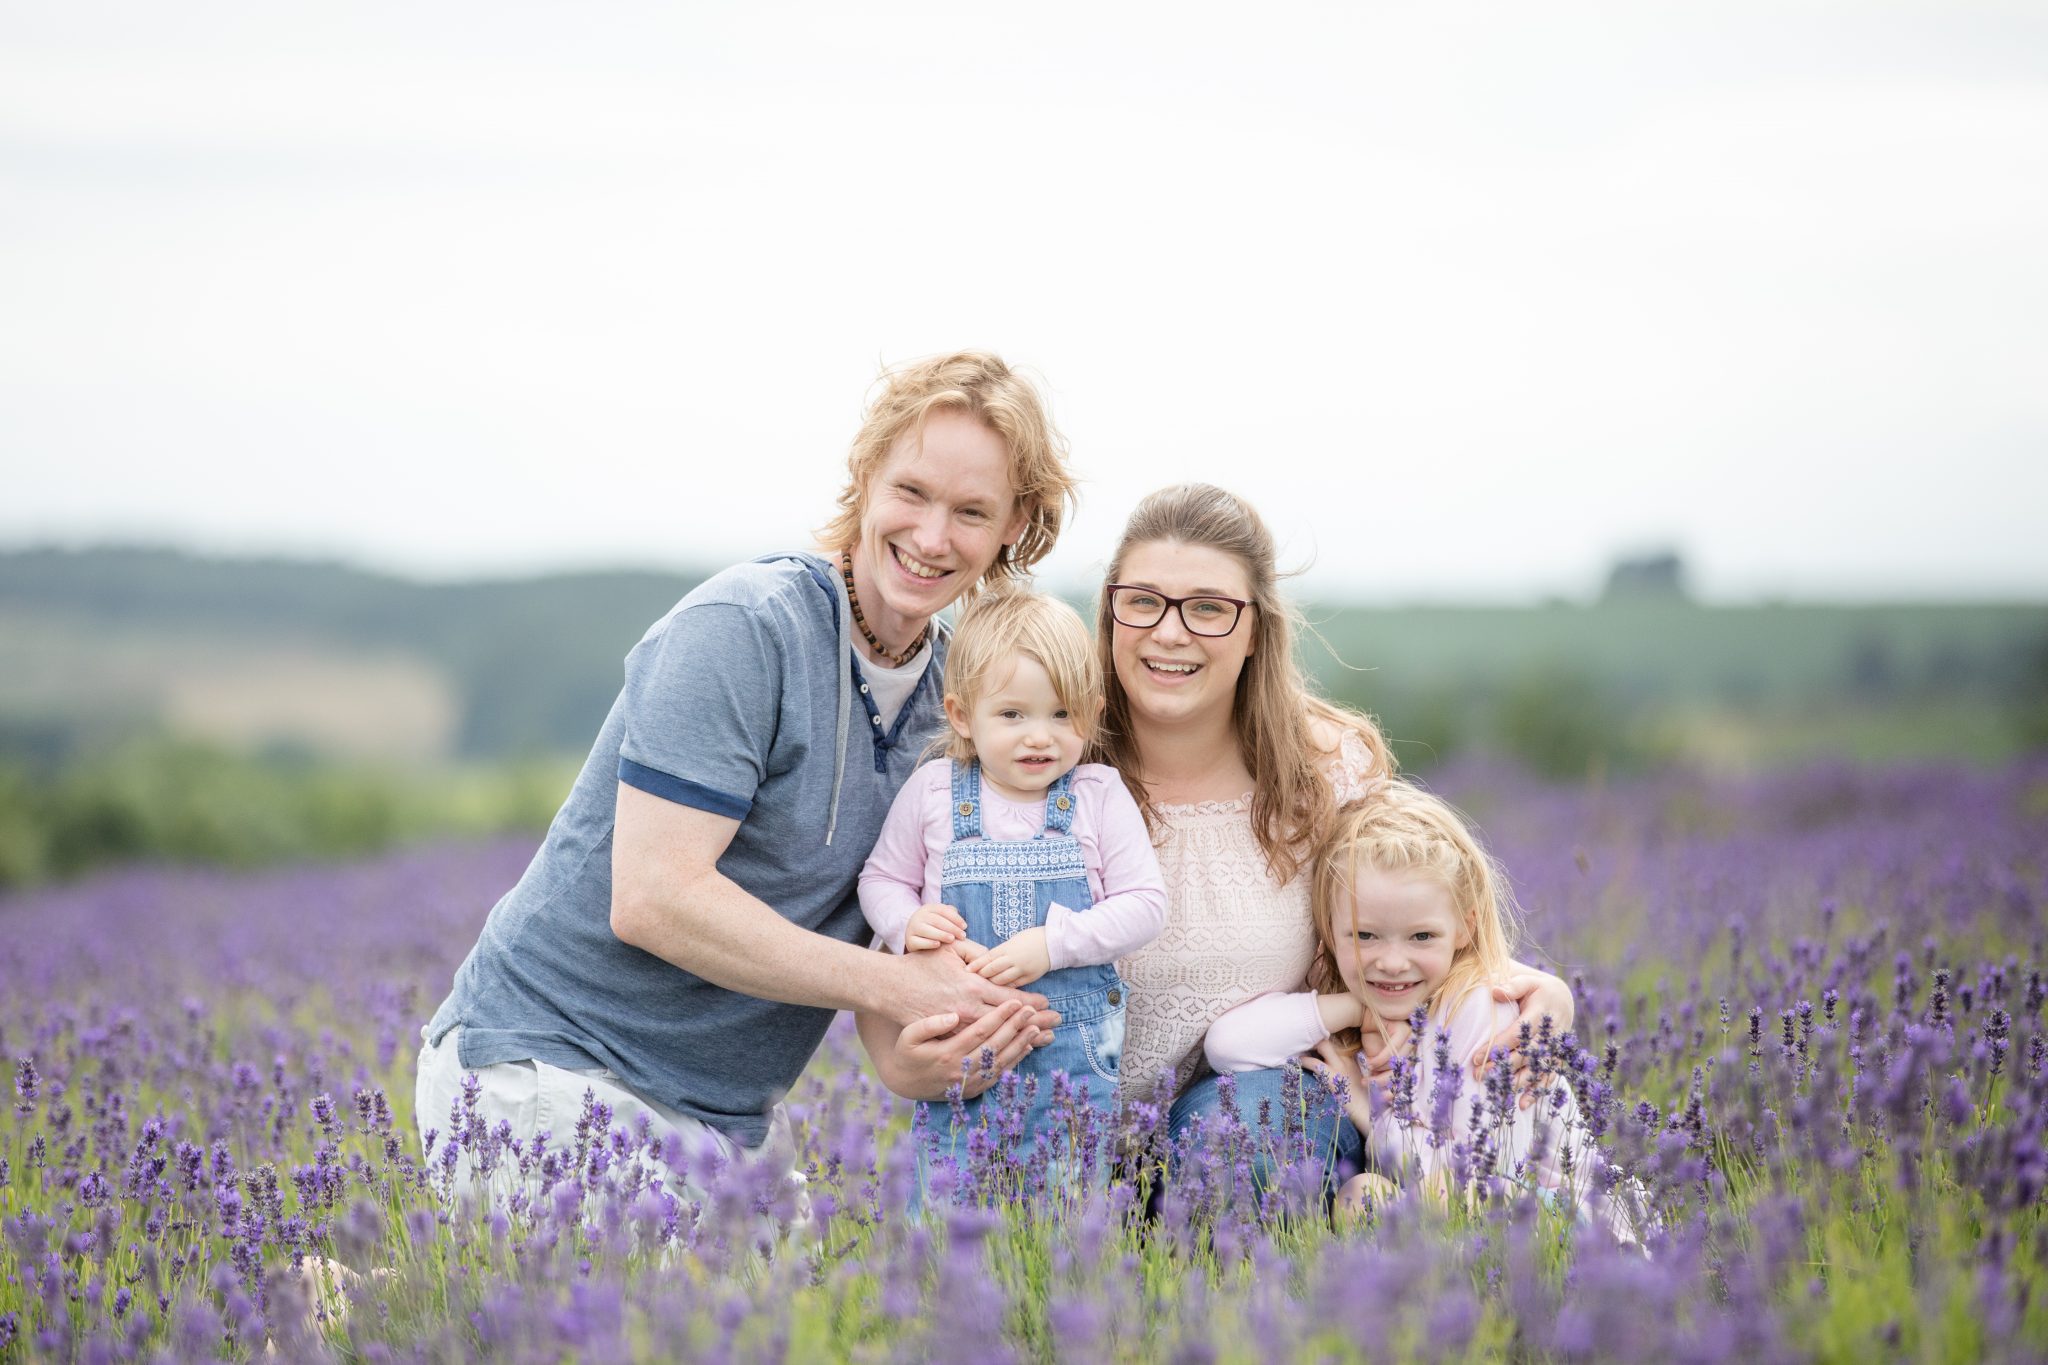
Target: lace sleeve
pixel 1353 773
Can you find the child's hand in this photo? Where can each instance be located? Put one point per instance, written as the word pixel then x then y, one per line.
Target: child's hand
pixel 1372 1046
pixel 933 926
pixel 1017 961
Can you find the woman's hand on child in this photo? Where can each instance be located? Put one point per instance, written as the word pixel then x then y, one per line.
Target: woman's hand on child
pixel 1017 961
pixel 933 926
pixel 1334 1062
pixel 1540 994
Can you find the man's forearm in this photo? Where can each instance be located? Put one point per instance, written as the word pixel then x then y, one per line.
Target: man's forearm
pixel 709 926
pixel 878 1037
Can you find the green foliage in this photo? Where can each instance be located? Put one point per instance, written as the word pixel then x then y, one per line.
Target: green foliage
pixel 2030 715
pixel 1629 684
pixel 161 799
pixel 534 663
pixel 1552 720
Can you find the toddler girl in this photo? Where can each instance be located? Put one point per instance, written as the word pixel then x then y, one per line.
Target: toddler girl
pixel 1414 923
pixel 1039 872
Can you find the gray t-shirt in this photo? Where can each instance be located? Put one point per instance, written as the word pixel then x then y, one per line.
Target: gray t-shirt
pixel 742 701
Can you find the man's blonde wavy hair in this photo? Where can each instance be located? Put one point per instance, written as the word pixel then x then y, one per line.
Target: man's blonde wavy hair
pixel 1402 830
pixel 1275 714
pixel 1005 622
pixel 981 385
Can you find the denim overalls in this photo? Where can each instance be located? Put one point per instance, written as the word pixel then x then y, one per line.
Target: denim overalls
pixel 1001 888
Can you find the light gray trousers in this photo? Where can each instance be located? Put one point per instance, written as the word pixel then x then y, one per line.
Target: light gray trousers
pixel 535 1097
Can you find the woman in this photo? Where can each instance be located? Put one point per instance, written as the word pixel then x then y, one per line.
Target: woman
pixel 1240 769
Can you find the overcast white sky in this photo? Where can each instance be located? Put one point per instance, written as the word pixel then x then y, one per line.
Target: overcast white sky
pixel 1467 298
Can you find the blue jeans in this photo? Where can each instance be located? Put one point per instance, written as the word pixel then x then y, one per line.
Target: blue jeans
pixel 1326 1136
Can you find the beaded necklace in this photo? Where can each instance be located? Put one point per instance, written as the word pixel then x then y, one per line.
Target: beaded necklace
pixel 853 600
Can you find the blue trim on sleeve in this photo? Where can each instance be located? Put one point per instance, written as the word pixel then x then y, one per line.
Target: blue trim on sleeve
pixel 683 792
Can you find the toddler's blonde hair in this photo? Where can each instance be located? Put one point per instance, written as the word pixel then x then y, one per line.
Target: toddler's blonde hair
pixel 1402 829
pixel 1005 621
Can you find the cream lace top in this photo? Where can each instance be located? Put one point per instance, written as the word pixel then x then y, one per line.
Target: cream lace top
pixel 1231 931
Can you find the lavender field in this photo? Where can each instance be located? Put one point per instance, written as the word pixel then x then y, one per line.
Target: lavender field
pixel 1810 1039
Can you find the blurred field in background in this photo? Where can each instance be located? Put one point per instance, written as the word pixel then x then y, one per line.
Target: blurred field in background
pixel 157 705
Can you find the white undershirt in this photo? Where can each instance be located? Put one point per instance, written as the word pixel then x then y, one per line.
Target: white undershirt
pixel 890 688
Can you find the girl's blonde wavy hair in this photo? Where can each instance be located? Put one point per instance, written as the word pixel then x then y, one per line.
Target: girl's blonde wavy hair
pixel 1275 713
pixel 1402 830
pixel 981 385
pixel 1005 622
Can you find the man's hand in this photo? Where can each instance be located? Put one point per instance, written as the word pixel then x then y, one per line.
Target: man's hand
pixel 939 983
pixel 933 926
pixel 1540 994
pixel 922 1061
pixel 1017 961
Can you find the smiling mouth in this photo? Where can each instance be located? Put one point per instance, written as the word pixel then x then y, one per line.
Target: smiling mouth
pixel 915 567
pixel 1172 668
pixel 1393 987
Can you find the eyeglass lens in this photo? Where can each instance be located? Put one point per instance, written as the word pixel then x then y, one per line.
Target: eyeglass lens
pixel 1201 615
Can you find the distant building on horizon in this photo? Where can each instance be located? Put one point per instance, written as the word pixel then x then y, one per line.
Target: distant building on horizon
pixel 1654 577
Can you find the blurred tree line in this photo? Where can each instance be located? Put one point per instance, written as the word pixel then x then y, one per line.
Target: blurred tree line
pixel 533 660
pixel 162 799
pixel 1642 678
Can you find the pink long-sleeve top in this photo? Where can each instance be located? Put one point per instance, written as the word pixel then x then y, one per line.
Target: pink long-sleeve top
pixel 1268 1029
pixel 1129 894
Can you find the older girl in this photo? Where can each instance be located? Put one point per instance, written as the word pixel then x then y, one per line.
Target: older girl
pixel 1413 920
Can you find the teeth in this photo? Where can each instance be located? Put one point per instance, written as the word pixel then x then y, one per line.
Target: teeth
pixel 1172 668
pixel 918 566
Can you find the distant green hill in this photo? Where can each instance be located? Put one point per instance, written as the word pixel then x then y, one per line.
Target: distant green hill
pixel 1645 681
pixel 532 664
pixel 1678 651
pixel 323 657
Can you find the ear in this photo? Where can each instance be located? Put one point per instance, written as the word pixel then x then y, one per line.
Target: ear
pixel 1014 532
pixel 956 714
pixel 1463 938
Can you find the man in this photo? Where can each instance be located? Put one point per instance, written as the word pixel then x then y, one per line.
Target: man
pixel 683 937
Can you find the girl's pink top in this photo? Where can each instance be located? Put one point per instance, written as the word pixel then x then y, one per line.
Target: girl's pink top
pixel 1123 873
pixel 1268 1030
